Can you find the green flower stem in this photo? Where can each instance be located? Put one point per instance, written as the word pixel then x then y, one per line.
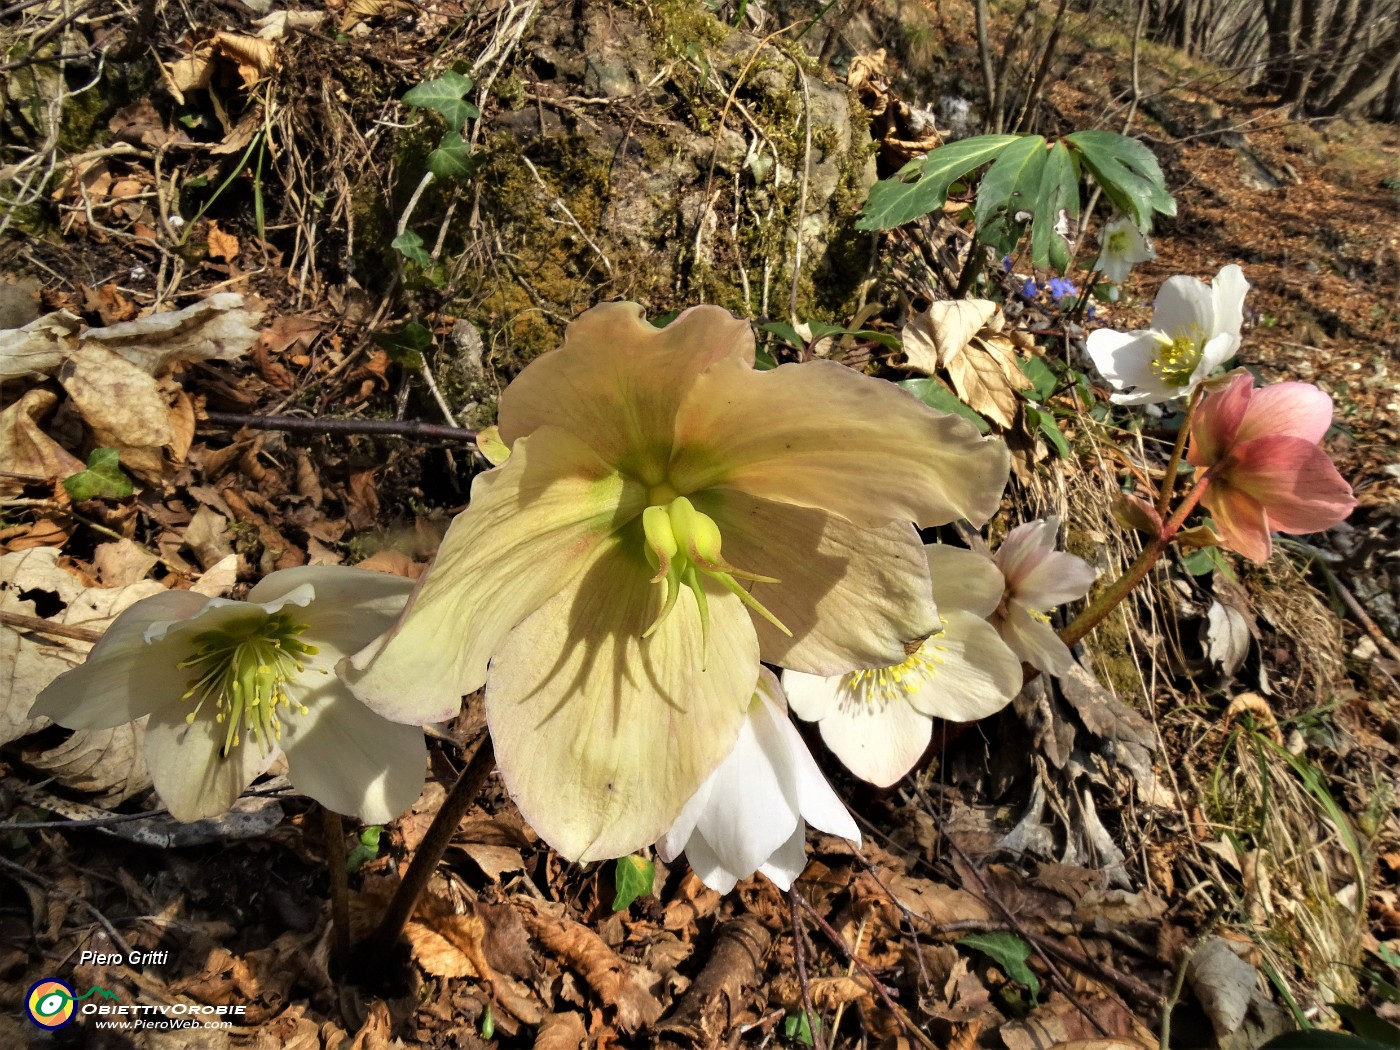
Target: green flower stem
pixel 1109 599
pixel 333 829
pixel 1174 464
pixel 971 268
pixel 381 942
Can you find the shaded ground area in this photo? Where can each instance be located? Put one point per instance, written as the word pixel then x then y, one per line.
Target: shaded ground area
pixel 1199 826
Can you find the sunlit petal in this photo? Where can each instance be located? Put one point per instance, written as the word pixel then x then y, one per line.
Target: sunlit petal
pixel 974 673
pixel 190 777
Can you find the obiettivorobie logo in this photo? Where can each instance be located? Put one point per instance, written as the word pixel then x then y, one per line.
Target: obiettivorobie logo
pixel 50 1002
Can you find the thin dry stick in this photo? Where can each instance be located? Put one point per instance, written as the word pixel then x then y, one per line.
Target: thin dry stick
pixel 299 425
pixel 333 827
pixel 802 190
pixel 58 630
pixel 52 887
pixel 381 942
pixel 800 958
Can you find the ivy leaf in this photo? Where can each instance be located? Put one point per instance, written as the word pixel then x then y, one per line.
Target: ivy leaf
pixel 445 96
pixel 894 202
pixel 453 158
pixel 798 1027
pixel 1010 953
pixel 1127 172
pixel 633 877
pixel 406 346
pixel 103 478
pixel 410 246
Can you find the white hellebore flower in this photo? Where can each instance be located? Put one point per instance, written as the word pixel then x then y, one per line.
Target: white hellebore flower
pixel 1038 578
pixel 1123 247
pixel 879 722
pixel 751 813
pixel 1195 329
pixel 230 685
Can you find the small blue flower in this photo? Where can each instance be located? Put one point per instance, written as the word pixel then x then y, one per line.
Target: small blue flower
pixel 1061 287
pixel 1006 263
pixel 1092 312
pixel 1030 289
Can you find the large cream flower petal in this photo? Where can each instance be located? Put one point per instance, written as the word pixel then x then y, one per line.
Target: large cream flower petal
pixel 819 434
pixel 877 740
pixel 532 525
pixel 603 736
pixel 851 597
pixel 974 673
pixel 963 579
pixel 189 775
pixel 617 382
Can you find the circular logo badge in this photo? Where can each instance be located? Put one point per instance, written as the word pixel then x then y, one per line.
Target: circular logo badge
pixel 50 1003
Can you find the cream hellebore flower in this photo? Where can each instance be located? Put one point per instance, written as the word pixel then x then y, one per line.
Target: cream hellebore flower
pixel 879 722
pixel 751 813
pixel 620 571
pixel 1123 246
pixel 1038 578
pixel 230 685
pixel 1195 329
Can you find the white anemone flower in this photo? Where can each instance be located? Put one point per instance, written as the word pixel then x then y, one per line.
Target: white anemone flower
pixel 1038 578
pixel 230 685
pixel 751 814
pixel 1195 329
pixel 879 722
pixel 1123 246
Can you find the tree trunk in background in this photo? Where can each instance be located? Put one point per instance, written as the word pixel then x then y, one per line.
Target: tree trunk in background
pixel 1368 81
pixel 1281 17
pixel 1304 65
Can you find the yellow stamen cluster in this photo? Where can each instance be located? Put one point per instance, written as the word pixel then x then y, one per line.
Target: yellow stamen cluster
pixel 882 685
pixel 1175 360
pixel 683 544
pixel 242 670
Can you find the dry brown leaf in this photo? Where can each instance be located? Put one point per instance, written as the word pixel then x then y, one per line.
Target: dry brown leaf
pixel 106 764
pixel 561 1032
pixel 39 347
pixel 447 945
pixel 963 338
pixel 985 377
pixel 617 982
pixel 254 56
pixel 122 562
pixel 24 447
pixel 375 1033
pixel 935 902
pixel 219 328
pixel 219 578
pixel 220 243
pixel 123 406
pixel 207 535
pixel 936 335
pixel 30 661
pixel 1223 982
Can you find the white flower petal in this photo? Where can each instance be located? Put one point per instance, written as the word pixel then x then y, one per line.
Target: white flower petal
pixel 350 759
pixel 878 741
pixel 963 579
pixel 708 867
pixel 1059 578
pixel 1125 358
pixel 672 844
pixel 1184 306
pixel 1214 354
pixel 1034 641
pixel 789 860
pixel 1227 292
pixel 350 607
pixel 977 673
pixel 123 678
pixel 811 696
pixel 189 776
pixel 816 801
pixel 1025 547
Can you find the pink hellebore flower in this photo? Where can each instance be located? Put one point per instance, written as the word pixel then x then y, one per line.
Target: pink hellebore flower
pixel 1264 468
pixel 667 517
pixel 1038 578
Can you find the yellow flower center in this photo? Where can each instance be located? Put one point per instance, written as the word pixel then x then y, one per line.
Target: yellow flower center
pixel 1176 359
pixel 241 671
pixel 881 686
pixel 683 545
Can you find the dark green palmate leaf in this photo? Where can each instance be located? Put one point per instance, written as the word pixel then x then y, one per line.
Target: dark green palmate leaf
pixel 894 202
pixel 1127 172
pixel 1058 195
pixel 1009 952
pixel 445 95
pixel 453 158
pixel 934 394
pixel 1008 193
pixel 103 478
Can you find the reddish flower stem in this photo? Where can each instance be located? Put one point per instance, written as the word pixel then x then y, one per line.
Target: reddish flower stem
pixel 1174 464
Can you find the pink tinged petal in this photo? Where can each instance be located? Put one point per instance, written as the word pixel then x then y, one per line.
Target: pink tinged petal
pixel 532 526
pixel 1034 641
pixel 350 608
pixel 877 740
pixel 1124 358
pixel 965 580
pixel 1184 306
pixel 191 779
pixel 1217 420
pixel 1239 520
pixel 124 678
pixel 811 696
pixel 1295 410
pixel 1059 578
pixel 821 435
pixel 350 759
pixel 1025 547
pixel 1295 482
pixel 617 382
pixel 603 737
pixel 789 860
pixel 975 673
pixel 1227 295
pixel 850 596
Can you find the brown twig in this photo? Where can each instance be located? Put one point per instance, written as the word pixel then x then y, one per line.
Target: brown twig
pixel 58 630
pixel 800 959
pixel 52 887
pixel 299 425
pixel 333 828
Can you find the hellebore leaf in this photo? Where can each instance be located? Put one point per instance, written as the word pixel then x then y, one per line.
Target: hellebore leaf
pixel 1009 952
pixel 934 394
pixel 1128 173
pixel 894 202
